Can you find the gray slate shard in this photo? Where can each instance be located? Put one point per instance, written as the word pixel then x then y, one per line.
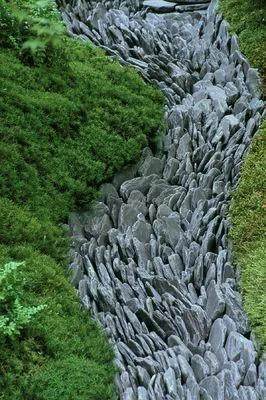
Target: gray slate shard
pixel 217 334
pixel 215 301
pixel 213 387
pixel 200 368
pixel 143 376
pixel 151 165
pixel 170 381
pixel 76 270
pixel 238 346
pixel 186 370
pixel 142 184
pixel 142 393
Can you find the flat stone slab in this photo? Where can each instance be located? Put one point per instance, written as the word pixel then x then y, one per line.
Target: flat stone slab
pixel 160 5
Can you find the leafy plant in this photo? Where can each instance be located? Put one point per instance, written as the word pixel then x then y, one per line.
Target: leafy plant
pixel 12 31
pixel 46 31
pixel 14 316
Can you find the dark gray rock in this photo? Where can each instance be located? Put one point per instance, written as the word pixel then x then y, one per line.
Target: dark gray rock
pixel 128 216
pixel 143 376
pixel 253 82
pixel 170 381
pixel 142 231
pixel 247 393
pixel 213 387
pixel 237 345
pixel 152 165
pixel 200 368
pixel 129 394
pixel 196 322
pixel 76 271
pixel 141 184
pixel 234 308
pixel 215 301
pixel 212 362
pixel 150 322
pixel 230 390
pixel 251 376
pixel 217 334
pixel 186 370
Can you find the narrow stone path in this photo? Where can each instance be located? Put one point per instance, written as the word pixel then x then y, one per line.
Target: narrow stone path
pixel 152 261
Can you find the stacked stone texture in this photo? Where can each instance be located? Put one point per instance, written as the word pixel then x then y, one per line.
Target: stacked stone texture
pixel 151 260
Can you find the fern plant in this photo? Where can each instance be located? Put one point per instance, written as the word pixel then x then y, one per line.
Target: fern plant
pixel 14 316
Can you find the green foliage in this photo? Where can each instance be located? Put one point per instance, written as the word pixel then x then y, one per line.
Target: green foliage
pixel 46 31
pixel 33 28
pixel 62 331
pixel 11 30
pixel 85 378
pixel 69 119
pixel 247 20
pixel 13 315
pixel 63 133
pixel 253 282
pixel 19 226
pixel 248 233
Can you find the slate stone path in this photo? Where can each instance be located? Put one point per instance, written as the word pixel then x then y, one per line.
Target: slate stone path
pixel 152 261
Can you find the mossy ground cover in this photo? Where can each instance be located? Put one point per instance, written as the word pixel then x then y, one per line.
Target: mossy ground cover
pixel 249 233
pixel 247 20
pixel 69 119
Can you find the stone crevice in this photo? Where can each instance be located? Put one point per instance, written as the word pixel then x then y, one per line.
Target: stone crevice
pixel 151 260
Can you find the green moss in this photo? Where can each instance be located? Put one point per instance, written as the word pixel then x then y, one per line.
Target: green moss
pixel 247 20
pixel 254 284
pixel 69 119
pixel 19 226
pixel 248 233
pixel 62 134
pixel 86 379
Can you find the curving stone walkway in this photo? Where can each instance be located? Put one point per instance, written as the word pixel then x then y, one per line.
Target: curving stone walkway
pixel 152 261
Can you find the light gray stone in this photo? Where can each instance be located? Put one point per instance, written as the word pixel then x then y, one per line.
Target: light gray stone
pixel 213 387
pixel 200 368
pixel 215 301
pixel 217 334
